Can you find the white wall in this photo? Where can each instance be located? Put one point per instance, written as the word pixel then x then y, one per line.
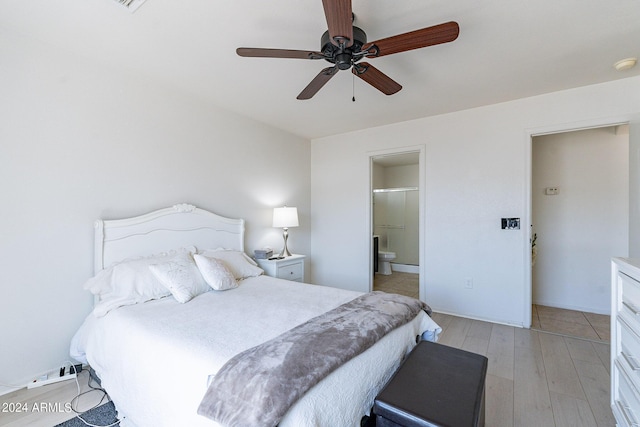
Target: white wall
pixel 401 176
pixel 587 222
pixel 377 176
pixel 476 173
pixel 78 142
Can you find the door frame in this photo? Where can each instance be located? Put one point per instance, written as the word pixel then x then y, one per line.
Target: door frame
pixel 370 156
pixel 528 191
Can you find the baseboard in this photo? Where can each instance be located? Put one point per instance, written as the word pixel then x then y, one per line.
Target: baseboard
pixel 6 390
pixel 405 268
pixel 483 319
pixel 574 307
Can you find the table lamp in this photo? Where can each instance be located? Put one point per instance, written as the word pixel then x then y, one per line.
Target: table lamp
pixel 284 218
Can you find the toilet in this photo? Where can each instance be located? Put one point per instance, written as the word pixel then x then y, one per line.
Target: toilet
pixel 384 262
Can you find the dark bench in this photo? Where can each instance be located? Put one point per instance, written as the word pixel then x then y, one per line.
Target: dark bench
pixel 435 386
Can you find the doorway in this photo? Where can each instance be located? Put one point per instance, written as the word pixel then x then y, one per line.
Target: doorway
pixel 396 217
pixel 580 219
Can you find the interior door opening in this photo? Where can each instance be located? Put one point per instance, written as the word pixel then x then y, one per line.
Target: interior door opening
pixel 580 219
pixel 395 202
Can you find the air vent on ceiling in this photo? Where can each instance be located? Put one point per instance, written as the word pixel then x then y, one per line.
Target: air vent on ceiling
pixel 132 5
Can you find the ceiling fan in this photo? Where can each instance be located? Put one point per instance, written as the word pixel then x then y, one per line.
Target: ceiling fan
pixel 345 45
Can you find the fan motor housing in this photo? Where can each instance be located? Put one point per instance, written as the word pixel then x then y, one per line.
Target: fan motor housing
pixel 339 56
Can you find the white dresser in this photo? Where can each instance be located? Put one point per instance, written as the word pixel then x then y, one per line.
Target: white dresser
pixel 289 268
pixel 625 341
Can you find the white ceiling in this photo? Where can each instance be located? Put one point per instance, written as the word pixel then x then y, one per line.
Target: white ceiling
pixel 506 50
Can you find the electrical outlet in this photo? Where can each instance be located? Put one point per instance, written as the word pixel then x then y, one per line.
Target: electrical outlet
pixel 468 283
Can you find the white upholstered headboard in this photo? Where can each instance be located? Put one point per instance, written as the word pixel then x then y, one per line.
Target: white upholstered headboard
pixel 179 226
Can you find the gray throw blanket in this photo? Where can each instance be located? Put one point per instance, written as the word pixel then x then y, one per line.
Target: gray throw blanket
pixel 258 386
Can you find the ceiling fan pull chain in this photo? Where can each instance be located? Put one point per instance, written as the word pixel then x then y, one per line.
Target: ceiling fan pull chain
pixel 353 85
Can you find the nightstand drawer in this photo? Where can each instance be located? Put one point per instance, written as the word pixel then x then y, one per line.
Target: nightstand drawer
pixel 288 268
pixel 290 272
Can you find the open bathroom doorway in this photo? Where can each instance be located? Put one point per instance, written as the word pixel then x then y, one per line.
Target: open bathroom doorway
pixel 396 222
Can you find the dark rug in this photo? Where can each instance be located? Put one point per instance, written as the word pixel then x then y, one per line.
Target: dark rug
pixel 103 415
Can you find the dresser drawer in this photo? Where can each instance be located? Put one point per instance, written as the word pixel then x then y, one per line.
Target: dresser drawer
pixel 290 272
pixel 630 296
pixel 626 407
pixel 625 341
pixel 629 349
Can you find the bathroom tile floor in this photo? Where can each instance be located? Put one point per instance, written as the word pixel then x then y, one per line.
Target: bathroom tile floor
pixel 572 323
pixel 398 283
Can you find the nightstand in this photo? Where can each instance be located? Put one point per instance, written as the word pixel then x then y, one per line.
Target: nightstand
pixel 289 268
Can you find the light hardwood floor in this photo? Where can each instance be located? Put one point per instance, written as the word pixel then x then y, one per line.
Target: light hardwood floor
pixel 573 323
pixel 535 378
pixel 545 377
pixel 46 406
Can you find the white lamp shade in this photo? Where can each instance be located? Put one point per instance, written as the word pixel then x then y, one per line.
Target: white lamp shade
pixel 285 217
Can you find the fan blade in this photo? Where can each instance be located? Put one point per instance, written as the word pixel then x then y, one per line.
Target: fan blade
pixel 376 78
pixel 339 20
pixel 316 84
pixel 417 39
pixel 256 52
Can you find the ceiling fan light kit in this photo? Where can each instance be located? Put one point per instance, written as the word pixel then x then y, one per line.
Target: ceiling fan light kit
pixel 342 56
pixel 344 45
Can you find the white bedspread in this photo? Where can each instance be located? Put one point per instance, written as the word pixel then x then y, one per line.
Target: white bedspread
pixel 155 359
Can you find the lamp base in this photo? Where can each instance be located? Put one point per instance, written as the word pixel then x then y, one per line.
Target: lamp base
pixel 285 251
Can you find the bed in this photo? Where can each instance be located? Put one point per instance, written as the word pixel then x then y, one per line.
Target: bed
pixel 157 355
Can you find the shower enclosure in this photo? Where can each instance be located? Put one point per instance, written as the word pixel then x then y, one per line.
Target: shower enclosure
pixel 395 222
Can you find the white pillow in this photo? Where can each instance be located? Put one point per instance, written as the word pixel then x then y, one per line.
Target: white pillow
pixel 215 273
pixel 237 262
pixel 128 282
pixel 181 276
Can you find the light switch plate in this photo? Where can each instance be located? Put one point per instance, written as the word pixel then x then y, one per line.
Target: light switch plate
pixel 551 191
pixel 510 223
